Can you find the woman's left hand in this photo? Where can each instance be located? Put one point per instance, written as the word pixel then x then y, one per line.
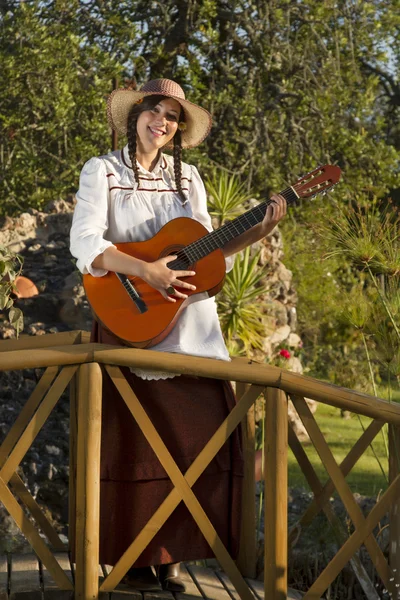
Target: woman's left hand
pixel 275 212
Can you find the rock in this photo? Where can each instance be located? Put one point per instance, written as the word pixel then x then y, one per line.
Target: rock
pixel 53 450
pixel 294 365
pixel 292 317
pixel 281 334
pixel 294 340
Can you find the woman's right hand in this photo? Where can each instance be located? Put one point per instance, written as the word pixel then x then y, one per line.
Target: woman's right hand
pixel 165 280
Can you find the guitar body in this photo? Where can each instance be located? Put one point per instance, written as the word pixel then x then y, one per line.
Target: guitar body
pixel 140 316
pixel 115 310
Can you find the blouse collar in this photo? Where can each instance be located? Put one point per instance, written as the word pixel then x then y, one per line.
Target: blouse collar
pixel 160 166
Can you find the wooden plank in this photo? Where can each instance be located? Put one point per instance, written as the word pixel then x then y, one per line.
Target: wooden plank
pixel 73 429
pixel 47 528
pixel 208 583
pixel 247 372
pixel 340 559
pixel 25 579
pixel 47 357
pixel 84 337
pixel 88 481
pixel 101 573
pixel 32 535
pixel 192 591
pixel 258 589
pixel 337 526
pixel 294 595
pixel 173 499
pixel 247 559
pixel 27 413
pixel 3 577
pixel 394 514
pixel 50 588
pixel 276 494
pixel 342 487
pixel 347 464
pixel 122 591
pixel 29 342
pixel 35 425
pixel 162 595
pixel 227 583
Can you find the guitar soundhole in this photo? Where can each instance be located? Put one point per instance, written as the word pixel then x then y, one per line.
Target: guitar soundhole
pixel 182 262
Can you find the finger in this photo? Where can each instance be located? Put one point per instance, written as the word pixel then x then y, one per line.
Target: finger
pixel 278 204
pixel 184 284
pixel 171 291
pixel 178 294
pixel 170 257
pixel 184 273
pixel 165 295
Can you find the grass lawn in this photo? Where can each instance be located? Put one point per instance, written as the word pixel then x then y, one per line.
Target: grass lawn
pixel 366 478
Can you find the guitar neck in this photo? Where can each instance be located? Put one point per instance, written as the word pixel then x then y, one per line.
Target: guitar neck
pixel 229 231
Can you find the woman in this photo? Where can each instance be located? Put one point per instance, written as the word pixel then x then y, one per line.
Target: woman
pixel 127 196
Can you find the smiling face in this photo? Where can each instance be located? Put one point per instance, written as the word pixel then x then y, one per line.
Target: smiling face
pixel 157 126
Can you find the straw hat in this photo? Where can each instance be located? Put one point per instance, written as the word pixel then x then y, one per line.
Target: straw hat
pixel 197 119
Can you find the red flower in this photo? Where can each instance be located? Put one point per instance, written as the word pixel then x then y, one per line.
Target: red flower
pixel 284 353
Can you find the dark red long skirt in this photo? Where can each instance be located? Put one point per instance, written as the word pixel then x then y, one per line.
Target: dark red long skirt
pixel 186 411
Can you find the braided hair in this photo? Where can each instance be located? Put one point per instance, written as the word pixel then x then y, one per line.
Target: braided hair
pixel 149 102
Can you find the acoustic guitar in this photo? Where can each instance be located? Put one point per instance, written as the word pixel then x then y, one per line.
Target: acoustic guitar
pixel 137 313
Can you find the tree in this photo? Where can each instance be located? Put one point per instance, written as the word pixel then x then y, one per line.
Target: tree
pixel 52 118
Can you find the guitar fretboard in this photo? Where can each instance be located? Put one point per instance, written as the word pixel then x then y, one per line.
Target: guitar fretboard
pixel 224 234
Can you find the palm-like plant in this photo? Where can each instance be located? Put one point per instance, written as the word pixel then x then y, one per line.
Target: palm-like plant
pixel 228 197
pixel 240 314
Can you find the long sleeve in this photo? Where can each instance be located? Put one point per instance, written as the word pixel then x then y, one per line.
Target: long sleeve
pixel 198 200
pixel 90 219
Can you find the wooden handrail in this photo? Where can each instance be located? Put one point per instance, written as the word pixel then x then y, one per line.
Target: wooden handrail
pixel 237 370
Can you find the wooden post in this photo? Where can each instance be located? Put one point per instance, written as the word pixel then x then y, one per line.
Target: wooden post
pixel 394 514
pixel 73 424
pixel 248 537
pixel 276 495
pixel 88 482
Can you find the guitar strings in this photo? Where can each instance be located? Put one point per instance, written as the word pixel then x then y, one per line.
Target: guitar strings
pixel 191 252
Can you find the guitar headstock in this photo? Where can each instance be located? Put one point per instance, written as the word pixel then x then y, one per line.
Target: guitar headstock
pixel 319 180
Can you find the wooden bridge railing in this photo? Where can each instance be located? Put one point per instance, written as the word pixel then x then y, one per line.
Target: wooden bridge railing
pixel 69 359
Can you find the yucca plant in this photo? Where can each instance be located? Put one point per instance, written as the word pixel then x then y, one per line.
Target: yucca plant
pixel 228 197
pixel 10 269
pixel 370 239
pixel 239 309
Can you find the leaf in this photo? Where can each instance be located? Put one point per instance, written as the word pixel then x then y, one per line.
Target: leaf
pixel 16 319
pixel 3 300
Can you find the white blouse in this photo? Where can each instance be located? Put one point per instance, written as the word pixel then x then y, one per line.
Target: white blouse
pixel 112 208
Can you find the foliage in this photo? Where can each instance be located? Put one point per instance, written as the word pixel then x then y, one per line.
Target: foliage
pixel 10 268
pixel 371 241
pixel 52 118
pixel 240 314
pixel 289 85
pixel 227 196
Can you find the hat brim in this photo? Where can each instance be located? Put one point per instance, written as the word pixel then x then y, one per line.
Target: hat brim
pixel 198 120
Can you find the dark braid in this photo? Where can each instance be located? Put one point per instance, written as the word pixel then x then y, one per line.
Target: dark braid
pixel 131 134
pixel 177 153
